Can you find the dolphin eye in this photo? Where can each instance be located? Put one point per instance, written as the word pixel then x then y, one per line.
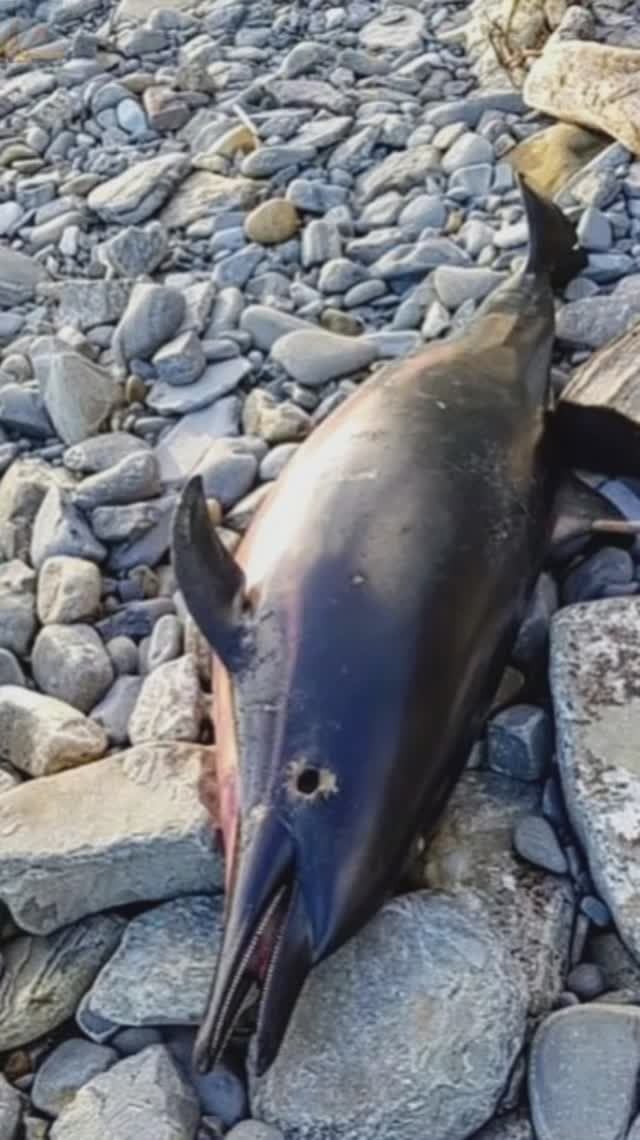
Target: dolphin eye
pixel 308 781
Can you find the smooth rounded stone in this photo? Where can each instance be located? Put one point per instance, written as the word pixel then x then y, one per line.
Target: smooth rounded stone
pixel 20 276
pixel 17 606
pixel 417 259
pixel 321 241
pixel 102 451
pixel 44 978
pixel 457 972
pixel 60 529
pixel 398 28
pixel 535 840
pixel 142 836
pixel 137 193
pixel 339 275
pixel 124 655
pixel 274 422
pixel 67 1069
pixel 128 523
pixel 519 742
pixel 146 983
pixel 69 662
pixel 77 394
pixel 228 471
pixel 586 981
pixel 170 705
pixel 276 460
pixel 267 325
pixel 468 150
pixel 594 684
pixel 135 478
pixel 272 222
pixel 218 380
pixel 609 566
pixel 166 641
pixel 313 357
pixel 510 1126
pixel 254 1130
pixel 69 590
pixel 426 210
pixel 573 1091
pixel 41 735
pixel 594 230
pixel 135 250
pixel 454 285
pixel 533 636
pixel 130 1041
pixel 115 709
pixel 181 361
pixel 144 1095
pixel 152 317
pixel 472 849
pixel 10 1110
pixel 10 670
pixel 587 83
pixel 221 1092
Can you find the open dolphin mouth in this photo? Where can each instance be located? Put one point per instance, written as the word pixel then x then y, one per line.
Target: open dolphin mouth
pixel 267 944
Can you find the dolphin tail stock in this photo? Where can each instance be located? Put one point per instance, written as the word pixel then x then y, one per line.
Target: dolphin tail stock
pixel 553 242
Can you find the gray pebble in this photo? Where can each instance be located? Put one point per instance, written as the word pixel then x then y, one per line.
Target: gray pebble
pixel 254 1130
pixel 124 655
pixel 166 641
pixel 519 742
pixel 276 460
pixel 339 275
pixel 67 1069
pixel 236 269
pixel 455 285
pixel 10 670
pixel 586 981
pixel 596 911
pixel 535 840
pixel 314 357
pixel 17 606
pixel 10 1110
pixel 152 317
pixel 321 242
pixel 70 662
pixel 60 529
pixel 102 451
pixel 134 478
pixel 135 1039
pixel 181 361
pixel 228 471
pixel 135 250
pixel 467 150
pixel 594 230
pixel 115 709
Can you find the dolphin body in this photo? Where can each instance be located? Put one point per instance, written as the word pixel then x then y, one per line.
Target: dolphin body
pixel 360 633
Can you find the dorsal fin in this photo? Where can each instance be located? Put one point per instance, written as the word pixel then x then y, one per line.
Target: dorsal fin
pixel 210 579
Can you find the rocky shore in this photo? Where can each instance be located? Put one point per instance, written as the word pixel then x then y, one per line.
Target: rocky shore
pixel 217 218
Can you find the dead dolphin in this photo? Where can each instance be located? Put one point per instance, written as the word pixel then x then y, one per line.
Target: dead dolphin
pixel 362 629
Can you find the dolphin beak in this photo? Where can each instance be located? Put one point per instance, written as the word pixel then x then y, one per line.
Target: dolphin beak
pixel 267 941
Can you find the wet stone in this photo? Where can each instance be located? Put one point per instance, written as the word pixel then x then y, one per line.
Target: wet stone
pixel 67 1069
pixel 519 742
pixel 535 840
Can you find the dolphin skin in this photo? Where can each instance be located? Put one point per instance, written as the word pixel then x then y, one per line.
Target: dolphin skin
pixel 360 632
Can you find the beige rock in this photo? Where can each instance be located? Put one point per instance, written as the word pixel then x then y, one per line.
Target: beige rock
pixel 272 222
pixel 130 828
pixel 69 589
pixel 499 33
pixel 592 84
pixel 41 735
pixel 550 158
pixel 274 422
pixel 202 192
pixel 238 139
pixel 170 705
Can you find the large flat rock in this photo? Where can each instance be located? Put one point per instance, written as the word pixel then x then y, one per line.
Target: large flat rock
pixel 410 1030
pixel 129 828
pixel 473 849
pixel 595 679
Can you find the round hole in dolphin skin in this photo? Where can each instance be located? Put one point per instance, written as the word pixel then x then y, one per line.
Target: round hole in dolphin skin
pixel 308 781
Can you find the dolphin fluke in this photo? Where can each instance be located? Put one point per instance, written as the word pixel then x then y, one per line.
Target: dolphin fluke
pixel 267 943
